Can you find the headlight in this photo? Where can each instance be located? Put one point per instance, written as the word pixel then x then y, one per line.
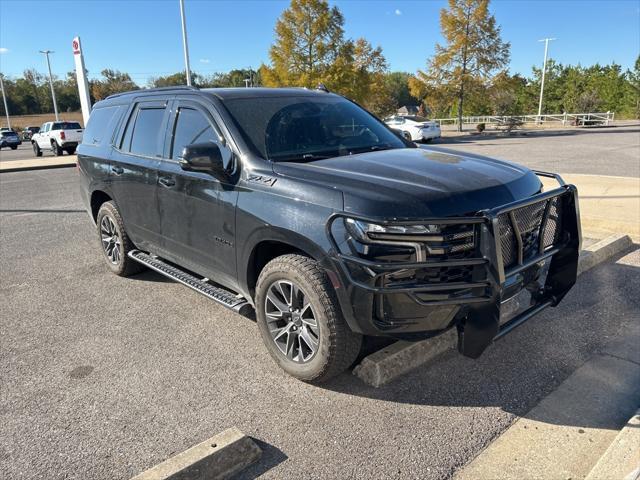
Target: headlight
pixel 403 242
pixel 366 232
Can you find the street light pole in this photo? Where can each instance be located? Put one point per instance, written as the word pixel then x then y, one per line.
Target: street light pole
pixel 53 92
pixel 185 46
pixel 544 70
pixel 4 99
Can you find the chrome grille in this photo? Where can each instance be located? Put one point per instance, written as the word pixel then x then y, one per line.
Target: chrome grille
pixel 529 224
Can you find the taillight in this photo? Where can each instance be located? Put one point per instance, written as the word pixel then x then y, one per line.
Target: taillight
pixel 62 137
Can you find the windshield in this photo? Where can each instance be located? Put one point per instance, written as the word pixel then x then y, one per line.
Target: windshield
pixel 307 128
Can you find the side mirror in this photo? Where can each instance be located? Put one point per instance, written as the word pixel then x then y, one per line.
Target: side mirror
pixel 203 157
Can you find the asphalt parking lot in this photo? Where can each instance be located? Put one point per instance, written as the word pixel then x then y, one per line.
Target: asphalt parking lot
pixel 23 152
pixel 595 151
pixel 103 377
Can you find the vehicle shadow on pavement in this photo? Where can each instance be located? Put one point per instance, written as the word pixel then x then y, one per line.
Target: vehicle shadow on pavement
pixel 517 371
pixel 271 457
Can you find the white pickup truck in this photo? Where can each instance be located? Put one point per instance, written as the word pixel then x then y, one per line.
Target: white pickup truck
pixel 58 137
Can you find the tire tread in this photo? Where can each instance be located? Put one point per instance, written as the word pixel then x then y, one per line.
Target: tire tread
pixel 344 345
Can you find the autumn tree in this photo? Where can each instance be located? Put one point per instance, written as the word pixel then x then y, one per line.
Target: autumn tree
pixel 309 39
pixel 472 53
pixel 310 48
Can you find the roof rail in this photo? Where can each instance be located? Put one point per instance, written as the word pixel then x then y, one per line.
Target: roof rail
pixel 156 89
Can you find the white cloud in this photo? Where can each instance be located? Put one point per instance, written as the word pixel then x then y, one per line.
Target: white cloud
pixel 204 60
pixel 4 50
pixel 398 12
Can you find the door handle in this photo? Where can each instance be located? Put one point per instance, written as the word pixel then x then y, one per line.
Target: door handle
pixel 117 170
pixel 167 181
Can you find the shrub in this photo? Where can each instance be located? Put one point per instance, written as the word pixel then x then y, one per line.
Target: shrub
pixel 481 127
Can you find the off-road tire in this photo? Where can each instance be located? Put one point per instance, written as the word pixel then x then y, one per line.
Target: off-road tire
pixel 36 149
pixel 126 266
pixel 338 345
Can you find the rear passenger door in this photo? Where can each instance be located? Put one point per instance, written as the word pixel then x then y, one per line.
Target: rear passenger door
pixel 42 139
pixel 134 171
pixel 197 210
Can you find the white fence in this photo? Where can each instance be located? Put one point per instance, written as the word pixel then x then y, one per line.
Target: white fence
pixel 561 118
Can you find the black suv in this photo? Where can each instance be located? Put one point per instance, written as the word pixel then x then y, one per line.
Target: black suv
pixel 303 206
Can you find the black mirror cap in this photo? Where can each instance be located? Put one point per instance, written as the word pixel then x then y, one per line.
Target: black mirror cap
pixel 203 157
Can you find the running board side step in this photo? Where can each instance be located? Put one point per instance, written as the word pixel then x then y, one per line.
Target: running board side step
pixel 219 295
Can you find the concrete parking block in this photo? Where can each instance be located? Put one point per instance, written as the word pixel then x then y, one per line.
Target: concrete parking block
pixel 217 458
pixel 399 358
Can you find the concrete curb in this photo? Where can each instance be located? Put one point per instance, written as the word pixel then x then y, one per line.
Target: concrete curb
pixel 569 430
pixel 602 250
pixel 36 164
pixel 399 358
pixel 217 458
pixel 622 458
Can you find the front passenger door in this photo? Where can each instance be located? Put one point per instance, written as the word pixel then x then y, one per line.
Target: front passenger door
pixel 197 210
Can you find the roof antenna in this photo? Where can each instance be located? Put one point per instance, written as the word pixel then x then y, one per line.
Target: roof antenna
pixel 322 88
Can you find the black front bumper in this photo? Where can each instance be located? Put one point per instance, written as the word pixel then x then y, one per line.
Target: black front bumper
pixel 468 292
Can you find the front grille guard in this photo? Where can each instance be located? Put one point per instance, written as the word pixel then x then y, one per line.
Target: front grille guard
pixel 562 270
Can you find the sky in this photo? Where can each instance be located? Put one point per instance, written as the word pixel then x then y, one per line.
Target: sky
pixel 143 37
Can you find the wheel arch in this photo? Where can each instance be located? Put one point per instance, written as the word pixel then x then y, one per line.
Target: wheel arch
pixel 267 248
pixel 98 198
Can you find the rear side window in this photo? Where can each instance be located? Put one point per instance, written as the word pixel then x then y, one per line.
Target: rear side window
pixel 66 126
pixel 191 127
pixel 100 125
pixel 141 137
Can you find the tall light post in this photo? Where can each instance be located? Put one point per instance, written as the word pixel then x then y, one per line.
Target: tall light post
pixel 544 70
pixel 53 92
pixel 185 46
pixel 4 99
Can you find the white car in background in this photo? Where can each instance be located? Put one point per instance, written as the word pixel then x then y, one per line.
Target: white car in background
pixel 414 128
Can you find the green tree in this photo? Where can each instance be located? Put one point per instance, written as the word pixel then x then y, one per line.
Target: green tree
pixel 472 53
pixel 632 90
pixel 397 84
pixel 113 81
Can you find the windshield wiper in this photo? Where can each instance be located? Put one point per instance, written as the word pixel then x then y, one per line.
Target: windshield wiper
pixel 305 157
pixel 314 156
pixel 381 147
pixel 371 148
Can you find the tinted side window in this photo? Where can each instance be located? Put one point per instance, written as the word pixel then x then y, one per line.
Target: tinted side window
pixel 191 127
pixel 100 125
pixel 144 137
pixel 66 126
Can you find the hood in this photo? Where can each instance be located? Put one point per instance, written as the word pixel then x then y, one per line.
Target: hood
pixel 417 182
